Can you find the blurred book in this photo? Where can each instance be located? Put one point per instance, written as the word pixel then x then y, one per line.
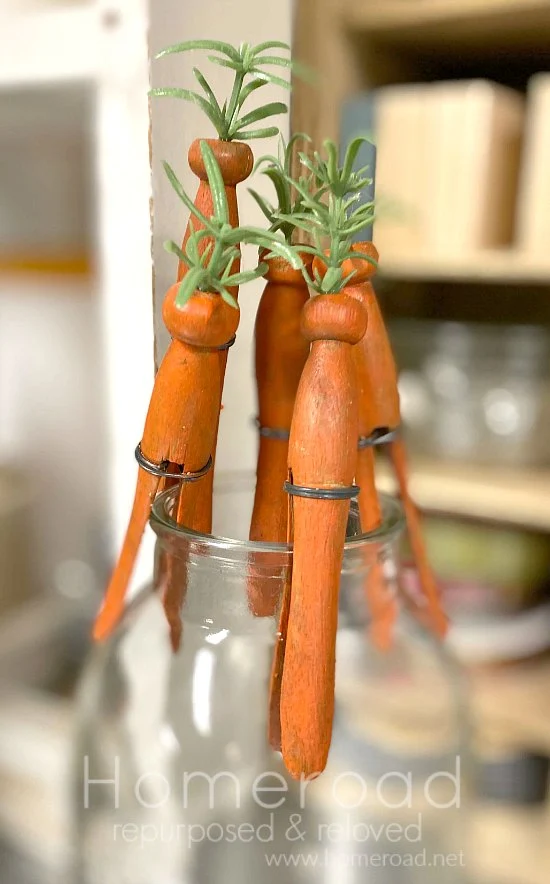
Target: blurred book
pixel 402 178
pixel 447 166
pixel 533 213
pixel 473 146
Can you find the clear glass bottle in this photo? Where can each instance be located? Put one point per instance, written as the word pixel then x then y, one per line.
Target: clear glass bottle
pixel 174 779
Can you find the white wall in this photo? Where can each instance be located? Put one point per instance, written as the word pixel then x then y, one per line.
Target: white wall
pixel 175 125
pixel 52 417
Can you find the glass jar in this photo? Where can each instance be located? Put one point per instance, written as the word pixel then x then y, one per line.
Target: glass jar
pixel 175 782
pixel 474 392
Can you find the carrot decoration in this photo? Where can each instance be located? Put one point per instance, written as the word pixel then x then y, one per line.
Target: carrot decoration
pixel 216 268
pixel 377 353
pixel 233 126
pixel 234 161
pixel 180 424
pixel 281 353
pixel 213 269
pixel 322 468
pixel 322 462
pixel 281 350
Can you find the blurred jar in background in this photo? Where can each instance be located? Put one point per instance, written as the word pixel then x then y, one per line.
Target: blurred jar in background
pixel 174 779
pixel 474 392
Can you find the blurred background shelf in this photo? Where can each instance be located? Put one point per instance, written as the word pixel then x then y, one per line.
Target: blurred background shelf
pixel 469 22
pixel 497 266
pixel 509 496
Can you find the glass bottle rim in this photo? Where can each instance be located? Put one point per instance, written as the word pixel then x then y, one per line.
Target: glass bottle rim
pixel 165 526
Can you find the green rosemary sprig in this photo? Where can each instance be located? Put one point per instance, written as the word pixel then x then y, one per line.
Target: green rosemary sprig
pixel 339 180
pixel 249 64
pixel 290 201
pixel 331 215
pixel 209 269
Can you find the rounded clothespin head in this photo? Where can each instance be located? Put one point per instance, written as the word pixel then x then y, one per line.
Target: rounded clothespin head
pixel 235 160
pixel 334 318
pixel 363 268
pixel 206 320
pixel 281 271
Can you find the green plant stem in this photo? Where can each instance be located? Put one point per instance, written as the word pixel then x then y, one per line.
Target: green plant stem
pixel 234 100
pixel 335 236
pixel 216 252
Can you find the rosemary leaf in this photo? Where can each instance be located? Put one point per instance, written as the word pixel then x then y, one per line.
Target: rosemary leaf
pixel 228 298
pixel 224 63
pixel 189 284
pixel 246 276
pixel 215 181
pixel 174 249
pixel 271 78
pixel 208 91
pixel 271 44
pixel 257 133
pixel 261 113
pixel 247 90
pixel 194 98
pixel 189 45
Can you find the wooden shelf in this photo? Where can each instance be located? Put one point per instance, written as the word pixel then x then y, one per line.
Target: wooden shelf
pixel 469 23
pixel 499 267
pixel 54 46
pixel 508 496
